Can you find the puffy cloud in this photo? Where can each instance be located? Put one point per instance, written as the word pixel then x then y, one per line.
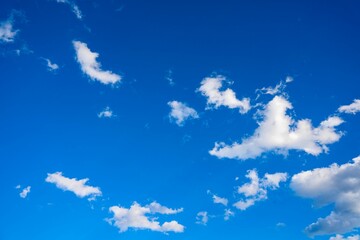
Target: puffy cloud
pixel 351 108
pixel 257 188
pixel 7 32
pixel 136 217
pixel 75 9
pixel 78 187
pixel 338 185
pixel 202 218
pixel 341 237
pixel 87 60
pixel 180 112
pixel 210 88
pixel 25 192
pixel 106 113
pixel 279 132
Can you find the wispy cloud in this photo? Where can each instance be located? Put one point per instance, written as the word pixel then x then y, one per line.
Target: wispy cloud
pixel 341 237
pixel 180 112
pixel 106 113
pixel 202 218
pixel 75 9
pixel 137 217
pixel 7 31
pixel 52 67
pixel 78 187
pixel 87 60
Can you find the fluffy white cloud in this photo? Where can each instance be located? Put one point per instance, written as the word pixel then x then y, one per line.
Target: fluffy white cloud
pixel 75 9
pixel 257 188
pixel 202 218
pixel 341 237
pixel 210 88
pixel 7 32
pixel 78 187
pixel 351 108
pixel 25 192
pixel 180 112
pixel 338 185
pixel 137 217
pixel 87 60
pixel 279 132
pixel 106 113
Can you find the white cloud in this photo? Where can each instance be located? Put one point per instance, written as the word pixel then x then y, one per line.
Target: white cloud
pixel 256 190
pixel 210 88
pixel 106 113
pixel 51 66
pixel 217 199
pixel 136 217
pixel 180 112
pixel 341 237
pixel 280 133
pixel 338 185
pixel 7 33
pixel 351 108
pixel 87 60
pixel 228 213
pixel 279 88
pixel 25 192
pixel 75 9
pixel 202 218
pixel 78 187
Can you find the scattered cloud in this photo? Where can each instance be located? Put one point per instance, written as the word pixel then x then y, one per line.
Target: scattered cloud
pixel 227 214
pixel 169 77
pixel 341 237
pixel 258 188
pixel 210 88
pixel 180 112
pixel 75 9
pixel 338 185
pixel 24 192
pixel 279 132
pixel 278 89
pixel 351 108
pixel 280 225
pixel 7 31
pixel 217 199
pixel 78 187
pixel 52 67
pixel 202 218
pixel 87 60
pixel 106 113
pixel 136 217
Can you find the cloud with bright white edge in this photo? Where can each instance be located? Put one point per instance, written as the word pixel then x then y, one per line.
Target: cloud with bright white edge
pixel 78 187
pixel 137 217
pixel 202 218
pixel 211 89
pixel 180 112
pixel 106 113
pixel 337 185
pixel 25 191
pixel 87 60
pixel 257 189
pixel 7 32
pixel 75 9
pixel 51 66
pixel 341 237
pixel 351 108
pixel 279 132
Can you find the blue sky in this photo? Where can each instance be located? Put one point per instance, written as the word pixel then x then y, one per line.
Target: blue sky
pixel 179 119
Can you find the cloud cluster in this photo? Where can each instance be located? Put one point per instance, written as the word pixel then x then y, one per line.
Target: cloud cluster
pixel 7 32
pixel 78 187
pixel 338 185
pixel 280 133
pixel 87 60
pixel 353 108
pixel 211 89
pixel 75 9
pixel 180 112
pixel 257 189
pixel 136 217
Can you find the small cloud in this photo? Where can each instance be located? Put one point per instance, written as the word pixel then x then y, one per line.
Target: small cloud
pixel 106 113
pixel 341 237
pixel 25 191
pixel 352 108
pixel 202 218
pixel 87 60
pixel 52 67
pixel 75 9
pixel 280 225
pixel 180 112
pixel 228 213
pixel 217 199
pixel 7 31
pixel 169 77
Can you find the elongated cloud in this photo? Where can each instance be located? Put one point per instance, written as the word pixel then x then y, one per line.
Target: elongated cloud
pixel 341 237
pixel 280 133
pixel 51 66
pixel 75 9
pixel 257 189
pixel 78 187
pixel 137 217
pixel 25 192
pixel 351 108
pixel 338 185
pixel 87 60
pixel 106 113
pixel 180 112
pixel 211 89
pixel 7 32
